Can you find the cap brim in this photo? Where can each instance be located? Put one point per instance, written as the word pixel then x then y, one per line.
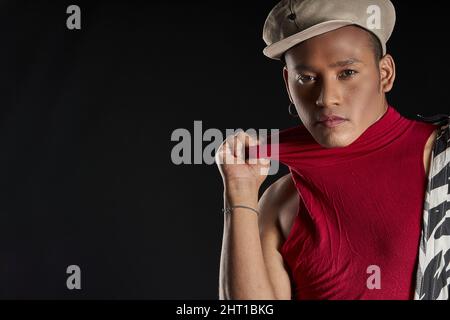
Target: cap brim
pixel 277 49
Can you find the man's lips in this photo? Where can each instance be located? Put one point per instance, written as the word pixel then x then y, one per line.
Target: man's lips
pixel 331 121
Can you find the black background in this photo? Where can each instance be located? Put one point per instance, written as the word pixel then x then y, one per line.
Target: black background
pixel 86 176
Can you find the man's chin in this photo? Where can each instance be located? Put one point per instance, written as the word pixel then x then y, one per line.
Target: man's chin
pixel 335 141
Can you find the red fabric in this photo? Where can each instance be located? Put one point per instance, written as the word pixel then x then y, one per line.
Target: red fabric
pixel 359 206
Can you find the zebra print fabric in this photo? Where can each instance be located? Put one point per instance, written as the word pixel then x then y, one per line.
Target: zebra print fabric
pixel 433 270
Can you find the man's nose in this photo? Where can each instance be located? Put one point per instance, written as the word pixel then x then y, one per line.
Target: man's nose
pixel 329 94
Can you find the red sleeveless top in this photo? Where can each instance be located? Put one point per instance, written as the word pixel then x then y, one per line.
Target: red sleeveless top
pixel 360 206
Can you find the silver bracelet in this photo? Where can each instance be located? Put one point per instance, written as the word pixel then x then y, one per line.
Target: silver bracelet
pixel 229 209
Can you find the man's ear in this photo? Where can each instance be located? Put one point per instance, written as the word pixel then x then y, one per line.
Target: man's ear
pixel 387 73
pixel 286 82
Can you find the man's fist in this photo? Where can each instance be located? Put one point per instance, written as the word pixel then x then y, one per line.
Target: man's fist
pixel 237 170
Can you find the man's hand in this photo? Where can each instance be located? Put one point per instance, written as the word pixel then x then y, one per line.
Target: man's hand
pixel 241 176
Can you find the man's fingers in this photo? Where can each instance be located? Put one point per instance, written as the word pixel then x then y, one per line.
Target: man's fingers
pixel 239 148
pixel 247 139
pixel 225 152
pixel 236 150
pixel 264 161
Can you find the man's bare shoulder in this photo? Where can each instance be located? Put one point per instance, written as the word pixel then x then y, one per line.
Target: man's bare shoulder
pixel 280 191
pixel 279 203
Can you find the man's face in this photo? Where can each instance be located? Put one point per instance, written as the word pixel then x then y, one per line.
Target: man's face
pixel 335 74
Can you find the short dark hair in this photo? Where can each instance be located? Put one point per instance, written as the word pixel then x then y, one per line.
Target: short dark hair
pixel 374 42
pixel 376 46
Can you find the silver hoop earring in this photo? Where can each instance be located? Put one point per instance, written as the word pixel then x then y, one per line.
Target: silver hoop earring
pixel 292 110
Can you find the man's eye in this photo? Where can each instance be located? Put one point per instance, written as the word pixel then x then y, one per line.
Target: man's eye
pixel 347 74
pixel 305 78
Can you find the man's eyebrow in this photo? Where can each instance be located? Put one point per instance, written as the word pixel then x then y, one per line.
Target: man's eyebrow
pixel 345 63
pixel 342 63
pixel 304 67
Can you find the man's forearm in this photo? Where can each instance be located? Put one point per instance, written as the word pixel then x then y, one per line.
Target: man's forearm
pixel 243 274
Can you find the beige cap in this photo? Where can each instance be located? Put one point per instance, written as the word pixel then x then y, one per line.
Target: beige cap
pixel 293 21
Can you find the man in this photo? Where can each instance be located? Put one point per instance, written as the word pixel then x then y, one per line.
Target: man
pixel 345 223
